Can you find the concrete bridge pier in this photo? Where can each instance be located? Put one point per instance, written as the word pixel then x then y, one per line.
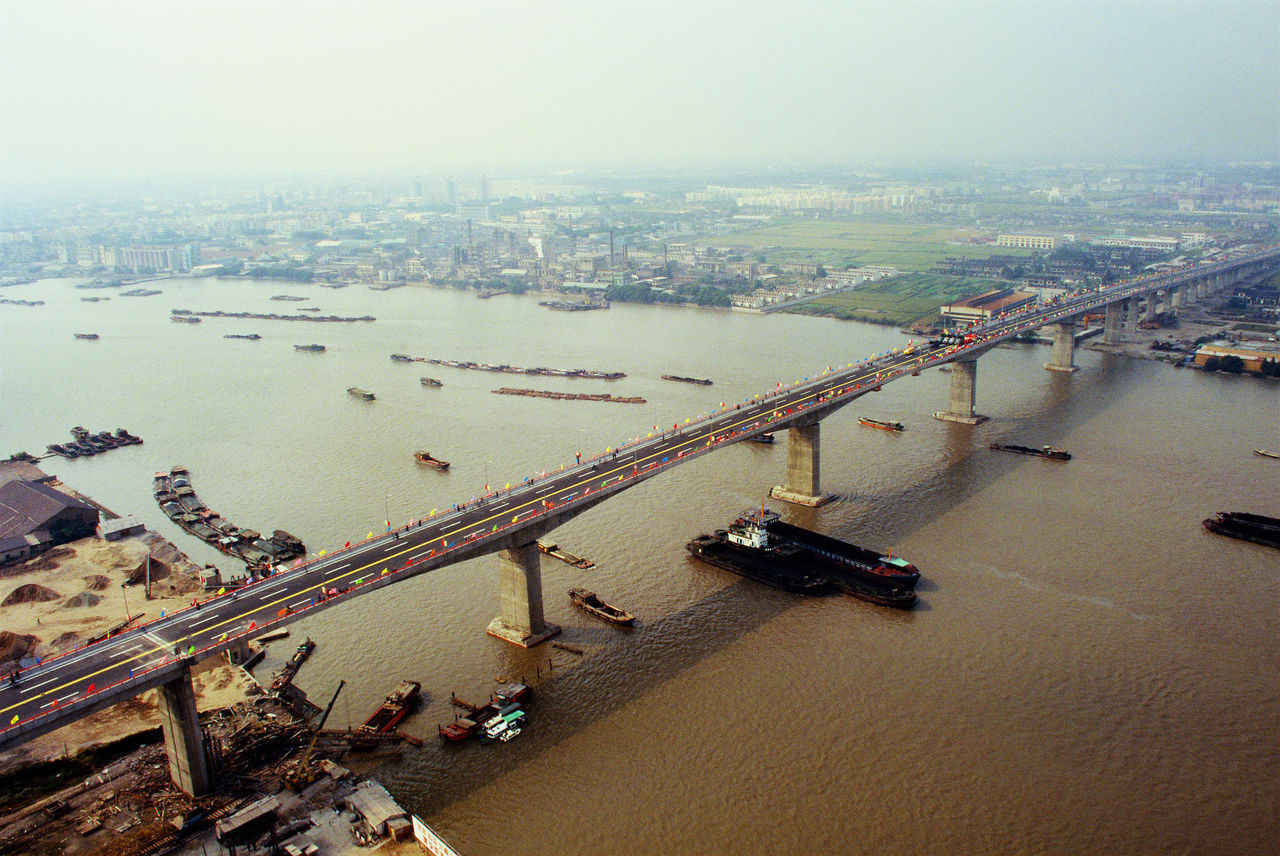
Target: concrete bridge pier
pixel 964 388
pixel 520 589
pixel 803 467
pixel 1153 306
pixel 1179 297
pixel 1202 289
pixel 1111 322
pixel 1188 294
pixel 1064 347
pixel 180 725
pixel 1132 305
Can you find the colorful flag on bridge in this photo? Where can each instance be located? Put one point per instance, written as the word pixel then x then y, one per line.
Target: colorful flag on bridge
pixel 91 688
pixel 348 544
pixel 222 590
pixel 14 721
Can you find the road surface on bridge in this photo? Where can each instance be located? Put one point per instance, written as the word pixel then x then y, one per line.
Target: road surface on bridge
pixel 54 691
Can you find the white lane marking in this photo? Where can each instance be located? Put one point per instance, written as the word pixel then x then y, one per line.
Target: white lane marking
pixel 300 603
pixel 499 506
pixel 204 621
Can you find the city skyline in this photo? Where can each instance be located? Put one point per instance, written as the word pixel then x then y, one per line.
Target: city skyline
pixel 121 92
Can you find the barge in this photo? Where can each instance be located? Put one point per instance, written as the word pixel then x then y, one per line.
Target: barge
pixel 357 392
pixel 179 502
pixel 430 381
pixel 1247 527
pixel 878 423
pixel 251 336
pixel 759 546
pixel 308 347
pixel 393 709
pixel 590 602
pixel 565 556
pixel 701 381
pixel 506 369
pixel 766 439
pixel 1043 452
pixel 434 463
pixel 89 336
pixel 506 697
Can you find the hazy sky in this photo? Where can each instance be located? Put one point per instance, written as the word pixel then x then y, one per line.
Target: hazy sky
pixel 118 88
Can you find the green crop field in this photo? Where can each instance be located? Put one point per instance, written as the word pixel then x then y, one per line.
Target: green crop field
pixel 908 247
pixel 901 300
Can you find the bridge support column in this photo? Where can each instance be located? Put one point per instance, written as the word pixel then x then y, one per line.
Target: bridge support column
pixel 1202 289
pixel 180 725
pixel 1179 297
pixel 520 589
pixel 1064 347
pixel 1133 304
pixel 1153 306
pixel 803 467
pixel 1188 293
pixel 964 387
pixel 1111 323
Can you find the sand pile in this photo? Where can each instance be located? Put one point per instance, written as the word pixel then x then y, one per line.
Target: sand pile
pixel 30 593
pixel 96 582
pixel 85 598
pixel 15 647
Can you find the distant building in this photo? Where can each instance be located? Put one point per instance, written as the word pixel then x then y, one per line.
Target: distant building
pixel 1253 359
pixel 177 259
pixel 1028 242
pixel 985 306
pixel 1159 244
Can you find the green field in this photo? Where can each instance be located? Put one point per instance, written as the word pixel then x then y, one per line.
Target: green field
pixel 908 247
pixel 898 301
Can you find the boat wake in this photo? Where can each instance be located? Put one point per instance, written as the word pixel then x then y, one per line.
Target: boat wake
pixel 1093 600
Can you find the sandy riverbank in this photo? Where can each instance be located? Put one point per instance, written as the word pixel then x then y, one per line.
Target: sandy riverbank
pixel 75 592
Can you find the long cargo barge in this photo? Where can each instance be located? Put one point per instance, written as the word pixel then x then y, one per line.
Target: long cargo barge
pixel 1043 452
pixel 570 396
pixel 85 444
pixel 178 500
pixel 506 369
pixel 700 381
pixel 1247 527
pixel 759 546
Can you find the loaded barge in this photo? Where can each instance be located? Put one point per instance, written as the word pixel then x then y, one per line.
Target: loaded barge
pixel 701 381
pixel 1246 527
pixel 178 500
pixel 760 546
pixel 506 369
pixel 1043 452
pixel 393 709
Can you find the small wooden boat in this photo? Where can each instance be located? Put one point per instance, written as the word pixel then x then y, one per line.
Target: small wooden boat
pixel 597 607
pixel 1264 453
pixel 761 438
pixel 90 336
pixel 357 392
pixel 434 463
pixel 430 381
pixel 877 423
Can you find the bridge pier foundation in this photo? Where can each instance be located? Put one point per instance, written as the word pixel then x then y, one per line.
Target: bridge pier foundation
pixel 1179 297
pixel 803 467
pixel 1064 347
pixel 1111 322
pixel 964 388
pixel 520 588
pixel 1188 293
pixel 180 725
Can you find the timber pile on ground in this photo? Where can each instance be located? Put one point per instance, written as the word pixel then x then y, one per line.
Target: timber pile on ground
pixel 571 396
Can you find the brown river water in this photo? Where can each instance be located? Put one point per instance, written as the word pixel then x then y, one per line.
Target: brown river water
pixel 1087 670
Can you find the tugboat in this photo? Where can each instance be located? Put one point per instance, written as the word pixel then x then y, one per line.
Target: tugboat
pixel 434 463
pixel 597 607
pixel 393 709
pixel 357 392
pixel 308 347
pixel 876 423
pixel 1043 452
pixel 430 381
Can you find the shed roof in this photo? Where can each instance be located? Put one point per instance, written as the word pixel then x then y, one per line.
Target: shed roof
pixel 27 506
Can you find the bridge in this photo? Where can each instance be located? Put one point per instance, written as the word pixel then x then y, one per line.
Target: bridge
pixel 159 655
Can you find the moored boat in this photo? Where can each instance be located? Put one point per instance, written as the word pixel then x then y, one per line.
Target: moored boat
pixel 393 709
pixel 357 392
pixel 1043 452
pixel 589 601
pixel 434 463
pixel 879 423
pixel 766 439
